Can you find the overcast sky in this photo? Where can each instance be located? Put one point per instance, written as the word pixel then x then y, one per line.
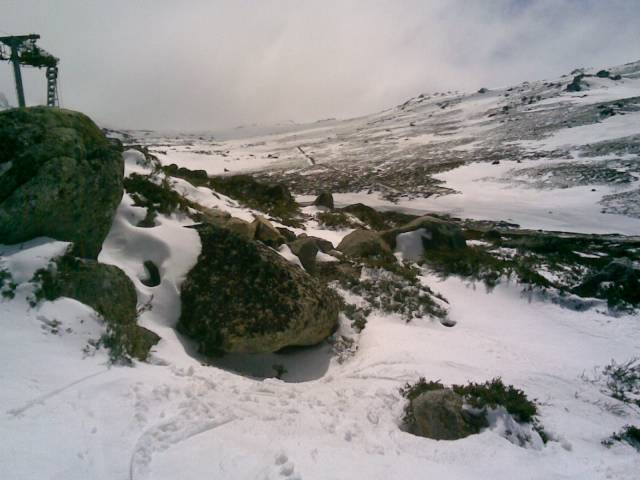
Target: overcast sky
pixel 213 64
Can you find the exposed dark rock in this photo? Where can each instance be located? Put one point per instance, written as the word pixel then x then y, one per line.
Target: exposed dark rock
pixel 325 199
pixel 288 235
pixel 603 74
pixel 323 245
pixel 243 297
pixel 153 274
pixel 576 84
pixel 64 178
pixel 439 234
pixel 306 250
pixel 195 177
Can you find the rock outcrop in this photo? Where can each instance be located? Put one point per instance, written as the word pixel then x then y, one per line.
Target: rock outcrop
pixel 440 414
pixel 325 199
pixel 264 231
pixel 364 244
pixel 306 248
pixel 439 234
pixel 59 177
pixel 243 297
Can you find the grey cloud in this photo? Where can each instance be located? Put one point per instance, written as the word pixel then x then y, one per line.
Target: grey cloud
pixel 216 64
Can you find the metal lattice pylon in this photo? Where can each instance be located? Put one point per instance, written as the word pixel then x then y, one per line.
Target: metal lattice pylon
pixel 24 51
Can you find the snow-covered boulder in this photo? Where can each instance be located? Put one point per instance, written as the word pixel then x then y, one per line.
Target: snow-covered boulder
pixel 60 177
pixel 243 297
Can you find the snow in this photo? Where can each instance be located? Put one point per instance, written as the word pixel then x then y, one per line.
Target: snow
pixel 618 126
pixel 179 418
pixel 24 259
pixel 487 192
pixel 288 255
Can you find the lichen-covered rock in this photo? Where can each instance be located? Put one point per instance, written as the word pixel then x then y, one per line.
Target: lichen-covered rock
pixel 364 244
pixel 60 178
pixel 265 232
pixel 107 290
pixel 241 227
pixel 439 414
pixel 439 234
pixel 243 297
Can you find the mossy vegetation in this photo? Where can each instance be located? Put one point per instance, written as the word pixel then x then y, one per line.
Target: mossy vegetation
pixel 584 265
pixel 7 285
pixel 481 396
pixel 622 381
pixel 272 198
pixel 156 195
pixel 495 393
pixel 107 290
pixel 335 220
pixel 385 285
pixel 629 434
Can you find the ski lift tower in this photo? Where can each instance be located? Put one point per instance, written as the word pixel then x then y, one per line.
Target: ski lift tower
pixel 24 51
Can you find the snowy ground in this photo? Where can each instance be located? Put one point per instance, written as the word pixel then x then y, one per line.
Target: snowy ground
pixel 175 418
pixel 66 414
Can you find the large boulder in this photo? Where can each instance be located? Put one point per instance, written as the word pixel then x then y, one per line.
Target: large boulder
pixel 438 233
pixel 243 297
pixel 59 177
pixel 107 290
pixel 364 244
pixel 440 414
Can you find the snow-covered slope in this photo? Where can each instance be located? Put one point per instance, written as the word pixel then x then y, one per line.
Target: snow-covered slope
pixel 67 413
pixel 577 141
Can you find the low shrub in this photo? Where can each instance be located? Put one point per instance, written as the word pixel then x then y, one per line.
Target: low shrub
pixel 629 434
pixel 495 393
pixel 481 396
